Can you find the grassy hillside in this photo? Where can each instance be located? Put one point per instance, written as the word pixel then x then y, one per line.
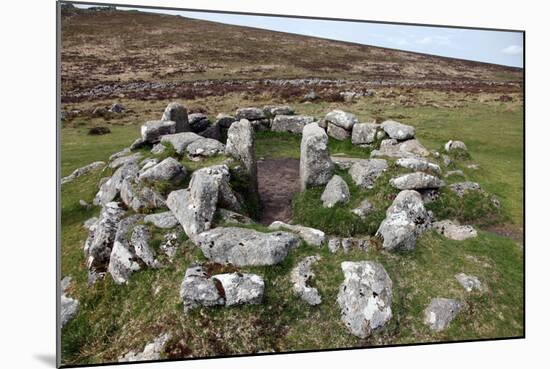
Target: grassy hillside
pixel 123 46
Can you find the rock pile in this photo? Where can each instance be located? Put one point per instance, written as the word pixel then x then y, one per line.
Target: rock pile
pixel 210 210
pixel 340 124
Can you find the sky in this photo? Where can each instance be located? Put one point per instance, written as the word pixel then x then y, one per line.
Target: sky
pixel 498 47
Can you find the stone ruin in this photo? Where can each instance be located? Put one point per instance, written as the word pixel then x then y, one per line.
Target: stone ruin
pixel 118 240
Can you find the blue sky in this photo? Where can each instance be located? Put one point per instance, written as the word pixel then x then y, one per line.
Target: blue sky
pixel 497 47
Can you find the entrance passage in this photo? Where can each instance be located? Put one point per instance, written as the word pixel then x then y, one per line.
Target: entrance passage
pixel 278 181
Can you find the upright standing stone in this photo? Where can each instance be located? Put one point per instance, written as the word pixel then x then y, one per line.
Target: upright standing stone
pixel 240 145
pixel 178 113
pixel 316 167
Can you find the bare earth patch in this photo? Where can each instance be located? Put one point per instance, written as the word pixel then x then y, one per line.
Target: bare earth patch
pixel 278 181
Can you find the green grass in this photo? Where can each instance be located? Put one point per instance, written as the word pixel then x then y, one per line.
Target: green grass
pixel 114 319
pixel 308 210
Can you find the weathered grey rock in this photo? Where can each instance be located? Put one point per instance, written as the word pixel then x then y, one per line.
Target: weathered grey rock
pixel 205 147
pixel 111 187
pixel 291 123
pixel 243 246
pixel 336 192
pixel 228 216
pixel 102 181
pixel 241 146
pixel 462 188
pixel 152 131
pixel 195 206
pixel 117 108
pixel 227 198
pixel 169 244
pixel 457 173
pixel 334 244
pixel 365 173
pixel 180 141
pixel 454 231
pixel 158 149
pixel 405 219
pixel 83 170
pixel 469 282
pixel 138 144
pixel 365 297
pixel 347 244
pixel 139 197
pixel 124 160
pixel 241 288
pixel 224 120
pixel 261 125
pixel 364 209
pixel 416 181
pixel 146 164
pixel 213 132
pixel 311 96
pixel 341 119
pixel 441 311
pixel 406 149
pixel 418 164
pixel 123 261
pixel 301 275
pixel 69 306
pixel 199 289
pixel 88 224
pixel 271 110
pixel 473 166
pixel 338 133
pixel 250 114
pixel 365 133
pixel 344 163
pixel 165 220
pixel 316 168
pixel 398 130
pixel 101 236
pixel 177 113
pixel 168 170
pixel 198 122
pixel 140 242
pixel 124 152
pixel 429 195
pixel 455 145
pixel 349 96
pixel 447 161
pixel 311 236
pixel 151 351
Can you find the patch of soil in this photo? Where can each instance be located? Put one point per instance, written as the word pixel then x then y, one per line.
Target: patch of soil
pixel 278 181
pixel 511 231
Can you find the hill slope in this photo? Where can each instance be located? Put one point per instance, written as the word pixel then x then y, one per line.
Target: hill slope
pixel 120 47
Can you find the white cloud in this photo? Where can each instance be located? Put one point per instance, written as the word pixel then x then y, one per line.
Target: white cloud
pixel 513 50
